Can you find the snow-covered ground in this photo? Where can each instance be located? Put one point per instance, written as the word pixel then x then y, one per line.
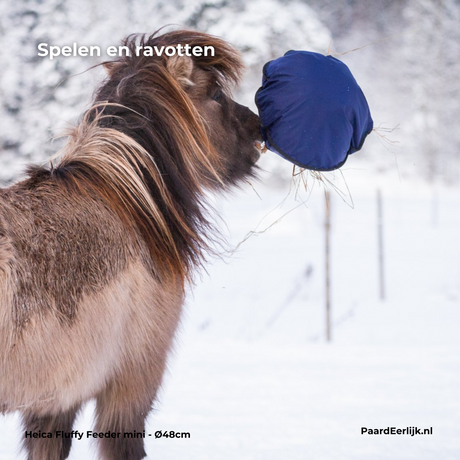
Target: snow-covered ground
pixel 252 376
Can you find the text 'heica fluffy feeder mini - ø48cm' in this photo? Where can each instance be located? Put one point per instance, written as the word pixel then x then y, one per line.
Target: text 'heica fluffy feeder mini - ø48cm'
pixel 312 111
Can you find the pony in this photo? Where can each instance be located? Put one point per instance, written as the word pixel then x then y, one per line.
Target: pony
pixel 97 248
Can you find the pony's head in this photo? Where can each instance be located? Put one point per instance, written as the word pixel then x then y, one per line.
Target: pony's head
pixel 187 106
pixel 161 131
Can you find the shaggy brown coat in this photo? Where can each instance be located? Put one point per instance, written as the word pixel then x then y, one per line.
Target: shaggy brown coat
pixel 95 250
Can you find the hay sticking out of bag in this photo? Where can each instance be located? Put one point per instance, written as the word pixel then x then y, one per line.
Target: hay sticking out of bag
pixel 307 179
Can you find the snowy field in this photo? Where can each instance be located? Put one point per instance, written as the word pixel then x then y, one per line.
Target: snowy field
pixel 252 377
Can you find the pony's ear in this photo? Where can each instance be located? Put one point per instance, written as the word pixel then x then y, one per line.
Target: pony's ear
pixel 181 68
pixel 110 67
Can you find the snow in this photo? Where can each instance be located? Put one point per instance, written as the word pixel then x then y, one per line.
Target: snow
pixel 252 376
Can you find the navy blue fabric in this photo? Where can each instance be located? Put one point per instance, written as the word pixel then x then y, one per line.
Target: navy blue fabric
pixel 312 111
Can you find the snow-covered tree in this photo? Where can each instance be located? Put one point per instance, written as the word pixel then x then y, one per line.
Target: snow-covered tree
pixel 38 95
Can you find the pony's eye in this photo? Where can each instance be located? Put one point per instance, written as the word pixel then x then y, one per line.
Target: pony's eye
pixel 217 95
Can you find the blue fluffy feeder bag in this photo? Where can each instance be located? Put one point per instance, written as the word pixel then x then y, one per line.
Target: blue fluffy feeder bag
pixel 312 111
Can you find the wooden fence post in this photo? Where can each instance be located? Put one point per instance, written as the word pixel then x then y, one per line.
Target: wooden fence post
pixel 327 228
pixel 380 245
